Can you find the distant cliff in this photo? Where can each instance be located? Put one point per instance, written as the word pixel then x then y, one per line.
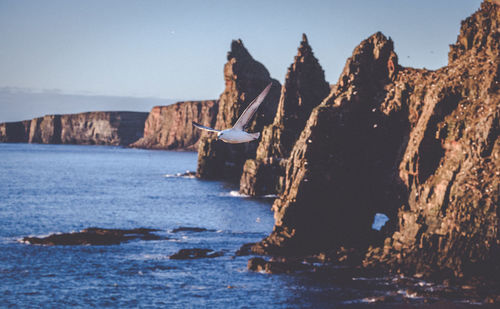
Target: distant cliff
pixel 170 127
pixel 93 128
pixel 420 146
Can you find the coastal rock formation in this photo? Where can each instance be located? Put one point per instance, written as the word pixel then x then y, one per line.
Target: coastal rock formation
pixel 45 130
pixel 305 87
pixel 93 128
pixel 169 127
pixel 93 236
pixel 245 78
pixel 339 169
pixel 420 146
pixel 15 132
pixel 102 128
pixel 449 226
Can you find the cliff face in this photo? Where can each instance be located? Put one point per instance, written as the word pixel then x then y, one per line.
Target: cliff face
pixel 99 128
pixel 451 164
pixel 15 132
pixel 305 87
pixel 421 146
pixel 338 166
pixel 169 127
pixel 245 78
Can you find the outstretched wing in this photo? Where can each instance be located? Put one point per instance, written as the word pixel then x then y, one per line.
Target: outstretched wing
pixel 247 114
pixel 199 126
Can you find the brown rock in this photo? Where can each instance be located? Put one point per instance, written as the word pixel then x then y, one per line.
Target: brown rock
pixel 94 128
pixel 421 146
pixel 450 166
pixel 341 166
pixel 305 87
pixel 15 132
pixel 245 78
pixel 102 128
pixel 170 127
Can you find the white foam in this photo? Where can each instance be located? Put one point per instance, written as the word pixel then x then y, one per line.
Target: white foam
pixel 187 174
pixel 233 193
pixel 270 196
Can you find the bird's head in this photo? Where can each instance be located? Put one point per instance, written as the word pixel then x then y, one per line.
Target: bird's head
pixel 219 135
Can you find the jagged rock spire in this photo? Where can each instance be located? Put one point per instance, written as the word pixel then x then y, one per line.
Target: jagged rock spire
pixel 244 79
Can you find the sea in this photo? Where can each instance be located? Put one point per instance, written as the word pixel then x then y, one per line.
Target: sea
pixel 46 189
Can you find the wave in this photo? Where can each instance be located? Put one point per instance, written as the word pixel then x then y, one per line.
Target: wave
pixel 187 174
pixel 235 193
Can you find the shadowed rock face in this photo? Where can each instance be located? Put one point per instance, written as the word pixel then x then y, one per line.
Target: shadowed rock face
pixel 15 132
pixel 337 170
pixel 93 236
pixel 170 127
pixel 245 78
pixel 93 128
pixel 305 87
pixel 421 146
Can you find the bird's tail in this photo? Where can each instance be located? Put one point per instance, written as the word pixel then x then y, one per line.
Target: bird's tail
pixel 255 135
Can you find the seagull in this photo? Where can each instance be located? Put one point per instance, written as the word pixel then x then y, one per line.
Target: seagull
pixel 236 134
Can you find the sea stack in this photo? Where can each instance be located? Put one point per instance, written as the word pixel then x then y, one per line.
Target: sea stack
pixel 305 87
pixel 245 78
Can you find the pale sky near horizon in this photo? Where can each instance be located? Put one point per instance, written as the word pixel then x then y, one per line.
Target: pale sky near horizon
pixel 177 49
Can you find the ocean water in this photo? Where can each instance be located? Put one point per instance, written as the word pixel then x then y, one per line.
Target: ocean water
pixel 47 189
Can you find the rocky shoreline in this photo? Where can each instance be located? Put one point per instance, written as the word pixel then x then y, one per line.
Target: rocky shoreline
pixel 420 146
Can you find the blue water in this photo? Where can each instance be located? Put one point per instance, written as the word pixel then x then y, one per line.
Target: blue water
pixel 62 188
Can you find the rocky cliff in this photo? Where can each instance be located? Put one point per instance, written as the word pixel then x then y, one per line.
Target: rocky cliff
pixel 244 78
pixel 420 146
pixel 15 132
pixel 99 128
pixel 305 87
pixel 169 127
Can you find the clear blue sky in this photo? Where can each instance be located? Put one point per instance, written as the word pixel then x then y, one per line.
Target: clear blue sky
pixel 177 49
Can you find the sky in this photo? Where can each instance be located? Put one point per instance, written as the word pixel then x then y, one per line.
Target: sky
pixel 177 49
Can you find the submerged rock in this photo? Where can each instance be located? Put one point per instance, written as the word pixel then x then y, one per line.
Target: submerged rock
pixel 195 253
pixel 190 229
pixel 94 236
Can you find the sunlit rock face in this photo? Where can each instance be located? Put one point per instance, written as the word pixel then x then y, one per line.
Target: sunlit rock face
pixel 93 128
pixel 305 87
pixel 245 78
pixel 170 127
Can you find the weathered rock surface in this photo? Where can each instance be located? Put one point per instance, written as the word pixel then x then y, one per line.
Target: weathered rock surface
pixel 170 127
pixel 450 167
pixel 421 146
pixel 305 87
pixel 15 132
pixel 337 170
pixel 94 236
pixel 93 128
pixel 245 78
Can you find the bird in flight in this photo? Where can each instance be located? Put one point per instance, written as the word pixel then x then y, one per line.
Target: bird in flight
pixel 236 134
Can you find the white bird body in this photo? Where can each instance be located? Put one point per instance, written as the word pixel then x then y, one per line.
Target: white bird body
pixel 236 134
pixel 233 136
